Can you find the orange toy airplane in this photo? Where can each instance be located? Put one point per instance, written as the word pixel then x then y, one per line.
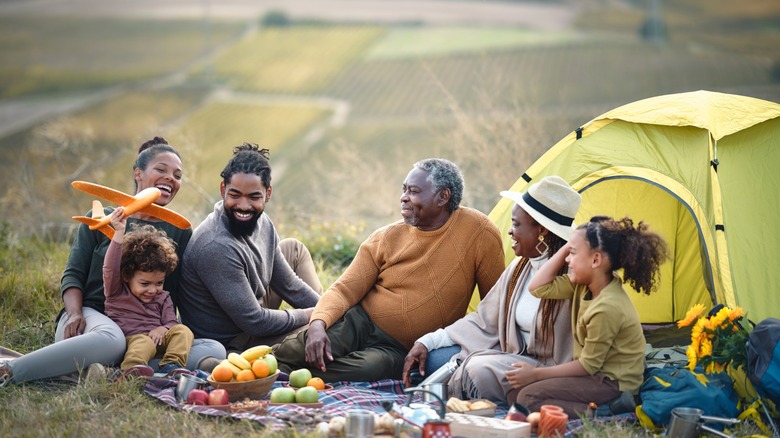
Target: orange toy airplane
pixel 142 202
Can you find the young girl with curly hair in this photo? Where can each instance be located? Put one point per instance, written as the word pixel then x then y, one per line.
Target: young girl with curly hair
pixel 609 344
pixel 134 271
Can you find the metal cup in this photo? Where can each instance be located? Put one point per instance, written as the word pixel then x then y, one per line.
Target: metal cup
pixel 359 424
pixel 437 389
pixel 686 423
pixel 186 384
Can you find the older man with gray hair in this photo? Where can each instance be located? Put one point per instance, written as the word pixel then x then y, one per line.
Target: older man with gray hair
pixel 407 279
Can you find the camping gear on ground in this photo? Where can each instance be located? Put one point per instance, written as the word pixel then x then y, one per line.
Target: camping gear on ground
pixel 359 424
pixel 187 383
pixel 763 358
pixel 692 166
pixel 667 388
pixel 689 422
pixel 435 392
pixel 414 415
pixel 443 374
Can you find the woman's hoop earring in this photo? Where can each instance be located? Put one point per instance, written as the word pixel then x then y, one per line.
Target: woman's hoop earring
pixel 542 242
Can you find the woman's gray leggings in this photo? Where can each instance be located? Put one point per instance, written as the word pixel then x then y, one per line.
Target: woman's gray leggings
pixel 102 342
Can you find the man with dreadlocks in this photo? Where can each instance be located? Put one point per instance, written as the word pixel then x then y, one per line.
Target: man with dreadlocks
pixel 234 260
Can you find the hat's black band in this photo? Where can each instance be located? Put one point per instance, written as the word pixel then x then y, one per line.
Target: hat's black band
pixel 541 208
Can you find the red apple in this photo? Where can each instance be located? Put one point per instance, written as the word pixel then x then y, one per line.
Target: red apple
pixel 218 397
pixel 198 397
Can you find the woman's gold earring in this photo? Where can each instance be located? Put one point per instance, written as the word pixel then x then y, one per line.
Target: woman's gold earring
pixel 542 242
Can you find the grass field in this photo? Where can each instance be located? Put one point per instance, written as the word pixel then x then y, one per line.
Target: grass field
pixel 411 92
pixel 427 42
pixel 293 60
pixel 48 55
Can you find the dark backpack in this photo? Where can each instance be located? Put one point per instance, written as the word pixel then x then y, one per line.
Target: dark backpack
pixel 763 358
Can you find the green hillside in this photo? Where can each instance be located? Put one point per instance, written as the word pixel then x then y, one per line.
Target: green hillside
pixel 346 109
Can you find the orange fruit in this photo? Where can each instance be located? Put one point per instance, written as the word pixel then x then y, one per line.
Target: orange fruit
pixel 245 376
pixel 261 369
pixel 222 374
pixel 316 382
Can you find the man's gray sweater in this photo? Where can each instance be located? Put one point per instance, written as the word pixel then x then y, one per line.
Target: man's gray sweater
pixel 224 278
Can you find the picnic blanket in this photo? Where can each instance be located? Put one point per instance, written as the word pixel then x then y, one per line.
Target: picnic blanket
pixel 337 401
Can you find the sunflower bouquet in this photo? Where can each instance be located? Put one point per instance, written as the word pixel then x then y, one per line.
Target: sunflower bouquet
pixel 717 339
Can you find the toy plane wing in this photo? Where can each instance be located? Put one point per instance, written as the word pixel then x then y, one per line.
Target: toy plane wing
pixel 142 202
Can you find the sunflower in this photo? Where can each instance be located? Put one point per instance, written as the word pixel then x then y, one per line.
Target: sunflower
pixel 716 340
pixel 692 314
pixel 736 313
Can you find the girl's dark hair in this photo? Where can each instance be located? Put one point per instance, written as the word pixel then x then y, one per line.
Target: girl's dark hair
pixel 549 309
pixel 150 149
pixel 249 158
pixel 147 249
pixel 636 250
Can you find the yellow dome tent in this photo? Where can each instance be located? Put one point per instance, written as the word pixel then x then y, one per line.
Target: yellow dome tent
pixel 701 168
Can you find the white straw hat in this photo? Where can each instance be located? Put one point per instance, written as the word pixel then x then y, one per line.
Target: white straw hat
pixel 551 202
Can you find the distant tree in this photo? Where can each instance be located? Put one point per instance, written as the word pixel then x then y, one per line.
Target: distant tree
pixel 775 72
pixel 654 28
pixel 275 19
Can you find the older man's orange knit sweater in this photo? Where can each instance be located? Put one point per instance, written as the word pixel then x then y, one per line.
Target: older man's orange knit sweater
pixel 412 282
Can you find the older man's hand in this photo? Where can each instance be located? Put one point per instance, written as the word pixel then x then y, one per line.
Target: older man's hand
pixel 418 354
pixel 317 345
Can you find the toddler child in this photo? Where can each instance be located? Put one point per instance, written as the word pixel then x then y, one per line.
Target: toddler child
pixel 134 270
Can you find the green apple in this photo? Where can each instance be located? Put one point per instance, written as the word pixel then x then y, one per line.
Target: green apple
pixel 307 394
pixel 283 395
pixel 299 378
pixel 270 359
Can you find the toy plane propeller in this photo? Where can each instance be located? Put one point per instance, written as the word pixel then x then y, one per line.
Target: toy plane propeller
pixel 142 202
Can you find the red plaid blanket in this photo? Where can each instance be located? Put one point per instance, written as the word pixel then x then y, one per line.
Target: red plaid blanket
pixel 337 401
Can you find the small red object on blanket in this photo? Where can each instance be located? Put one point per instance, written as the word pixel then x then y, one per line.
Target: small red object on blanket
pixel 437 429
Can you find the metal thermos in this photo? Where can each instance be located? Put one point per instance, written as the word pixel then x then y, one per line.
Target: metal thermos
pixel 442 375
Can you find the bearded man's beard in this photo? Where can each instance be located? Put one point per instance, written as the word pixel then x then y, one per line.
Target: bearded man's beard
pixel 242 227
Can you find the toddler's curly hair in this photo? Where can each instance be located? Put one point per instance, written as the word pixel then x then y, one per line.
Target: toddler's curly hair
pixel 147 249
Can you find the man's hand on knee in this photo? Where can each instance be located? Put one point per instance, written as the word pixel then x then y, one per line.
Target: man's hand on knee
pixel 317 345
pixel 418 354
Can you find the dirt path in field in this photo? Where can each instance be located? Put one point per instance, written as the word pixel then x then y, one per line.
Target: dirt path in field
pixel 18 114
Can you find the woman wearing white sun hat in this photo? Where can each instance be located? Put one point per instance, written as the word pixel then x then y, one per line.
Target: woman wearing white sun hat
pixel 510 325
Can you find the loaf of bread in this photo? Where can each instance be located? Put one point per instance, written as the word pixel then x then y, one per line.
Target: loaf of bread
pixel 480 404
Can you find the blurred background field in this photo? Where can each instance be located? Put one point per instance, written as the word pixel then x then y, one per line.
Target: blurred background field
pixel 346 105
